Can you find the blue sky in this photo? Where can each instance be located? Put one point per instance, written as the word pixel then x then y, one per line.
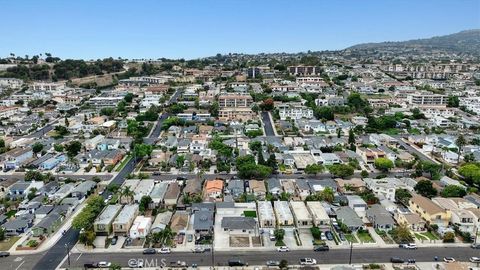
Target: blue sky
pixel 91 29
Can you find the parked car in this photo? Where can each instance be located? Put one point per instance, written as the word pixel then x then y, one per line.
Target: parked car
pixel 396 260
pixel 408 246
pixel 342 236
pixel 323 237
pixel 4 254
pixel 475 246
pixel 283 249
pixel 181 178
pixel 149 251
pixel 273 263
pixel 198 250
pixel 308 261
pixel 321 248
pixel 235 262
pixel 164 250
pixel 411 261
pixel 329 235
pixel 114 240
pixel 475 259
pixel 190 237
pixel 449 259
pixel 103 264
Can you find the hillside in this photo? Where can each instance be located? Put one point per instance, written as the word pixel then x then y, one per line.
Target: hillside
pixel 464 42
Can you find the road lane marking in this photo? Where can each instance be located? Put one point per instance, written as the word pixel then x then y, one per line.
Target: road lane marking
pixel 20 265
pixel 79 256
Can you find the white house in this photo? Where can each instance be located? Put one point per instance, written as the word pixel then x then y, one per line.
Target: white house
pixel 140 227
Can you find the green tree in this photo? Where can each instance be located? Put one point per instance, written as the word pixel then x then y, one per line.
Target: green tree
pixel 383 164
pixel 313 168
pixel 460 142
pixel 453 101
pixel 364 174
pixel 279 234
pixel 214 108
pixel 341 170
pixel 145 201
pixel 453 191
pixel 471 172
pixel 2 234
pixel 73 148
pixel 180 161
pixel 37 147
pixel 402 195
pixel 58 147
pixel 324 113
pixel 425 188
pixel 85 219
pixel 449 237
pixel 402 234
pixel 128 98
pixel 143 150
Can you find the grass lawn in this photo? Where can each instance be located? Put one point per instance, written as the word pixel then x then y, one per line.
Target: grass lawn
pixel 420 236
pixel 351 238
pixel 430 235
pixel 248 213
pixel 6 245
pixel 365 237
pixel 123 163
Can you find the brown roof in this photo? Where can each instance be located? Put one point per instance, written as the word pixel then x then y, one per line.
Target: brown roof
pixel 179 221
pixel 426 204
pixel 173 191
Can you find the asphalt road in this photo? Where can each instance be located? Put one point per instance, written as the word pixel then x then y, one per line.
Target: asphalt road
pixel 267 124
pixel 19 175
pixel 336 256
pixel 39 133
pixel 412 150
pixel 53 257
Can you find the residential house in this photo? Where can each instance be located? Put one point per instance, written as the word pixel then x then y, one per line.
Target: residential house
pixel 319 215
pixel 239 225
pixel 171 196
pixel 17 157
pixel 203 222
pixel 461 218
pixel 302 216
pixel 16 226
pixel 144 188
pixel 103 223
pixel 83 189
pixel 380 218
pixel 235 188
pixel 161 221
pixel 274 186
pixel 357 204
pixel 257 187
pixel 428 210
pixel 266 216
pixel 213 189
pixel 413 221
pixel 350 186
pixel 158 193
pixel 386 187
pixel 124 220
pixel 48 225
pixel 349 217
pixel 283 213
pixel 140 227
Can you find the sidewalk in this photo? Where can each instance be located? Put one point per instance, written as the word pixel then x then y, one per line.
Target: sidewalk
pixel 50 240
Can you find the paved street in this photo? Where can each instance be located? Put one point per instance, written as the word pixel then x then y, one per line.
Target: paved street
pixel 267 124
pixel 360 255
pixel 39 133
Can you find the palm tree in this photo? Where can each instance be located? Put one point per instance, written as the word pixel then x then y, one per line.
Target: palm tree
pixel 127 193
pixel 460 142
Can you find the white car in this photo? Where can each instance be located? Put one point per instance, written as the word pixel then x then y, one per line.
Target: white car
pixel 409 246
pixel 475 259
pixel 164 250
pixel 308 261
pixel 283 249
pixel 449 259
pixel 104 264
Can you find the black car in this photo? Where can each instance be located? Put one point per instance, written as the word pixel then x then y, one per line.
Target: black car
pixel 114 240
pixel 180 178
pixel 475 246
pixel 235 263
pixel 149 251
pixel 329 235
pixel 4 254
pixel 396 260
pixel 342 236
pixel 321 248
pixel 89 265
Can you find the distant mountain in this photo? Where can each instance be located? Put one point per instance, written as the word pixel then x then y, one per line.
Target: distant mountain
pixel 464 42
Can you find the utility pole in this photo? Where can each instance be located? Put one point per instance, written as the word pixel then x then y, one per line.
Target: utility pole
pixel 351 250
pixel 68 254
